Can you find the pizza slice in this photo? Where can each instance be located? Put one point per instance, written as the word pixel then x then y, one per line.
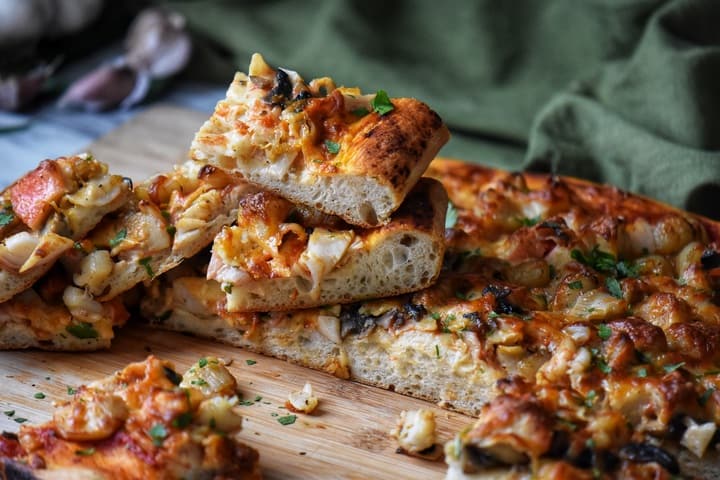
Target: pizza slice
pixel 170 217
pixel 279 256
pixel 144 422
pixel 596 306
pixel 55 315
pixel 347 154
pixel 47 210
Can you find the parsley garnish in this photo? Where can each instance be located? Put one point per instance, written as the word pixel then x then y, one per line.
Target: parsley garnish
pixel 20 420
pixel 529 222
pixel 9 413
pixel 360 112
pixel 145 262
pixel 642 372
pixel 332 147
pixel 227 288
pixel 182 420
pixel 451 216
pixel 257 398
pixel 590 398
pixel 6 218
pixel 118 238
pixel 381 103
pixel 198 382
pixel 673 366
pixel 287 419
pixel 603 366
pixel 39 395
pixel 605 262
pixel 435 316
pixel 246 403
pixel 576 285
pixel 250 362
pixel 437 351
pixel 202 362
pixel 85 452
pixel 604 331
pixel 158 433
pixel 171 230
pixel 706 396
pixel 613 287
pixel 82 330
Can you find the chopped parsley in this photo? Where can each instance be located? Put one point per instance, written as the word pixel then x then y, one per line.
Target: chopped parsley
pixel 673 366
pixel 381 103
pixel 437 351
pixel 158 433
pixel 287 419
pixel 604 331
pixel 435 316
pixel 79 247
pixel 85 452
pixel 706 396
pixel 250 362
pixel 642 372
pixel 39 395
pixel 590 398
pixel 82 330
pixel 246 403
pixel 202 362
pixel 613 287
pixel 182 420
pixel 6 218
pixel 171 230
pixel 597 259
pixel 9 413
pixel 20 420
pixel 257 398
pixel 274 414
pixel 145 262
pixel 451 216
pixel 529 222
pixel 198 382
pixel 227 288
pixel 118 238
pixel 603 366
pixel 332 147
pixel 576 285
pixel 360 112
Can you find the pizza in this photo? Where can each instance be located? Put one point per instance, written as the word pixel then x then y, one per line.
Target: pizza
pixel 579 322
pixel 332 148
pixel 279 256
pixel 47 210
pixel 170 217
pixel 146 421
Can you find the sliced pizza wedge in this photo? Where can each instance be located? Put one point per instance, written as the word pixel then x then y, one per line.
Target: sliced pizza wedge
pixel 279 256
pixel 594 308
pixel 347 154
pixel 144 422
pixel 169 218
pixel 47 210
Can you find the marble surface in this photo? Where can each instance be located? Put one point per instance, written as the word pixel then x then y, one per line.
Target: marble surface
pixel 52 132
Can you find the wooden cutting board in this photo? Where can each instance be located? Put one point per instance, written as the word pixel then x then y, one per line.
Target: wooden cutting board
pixel 346 438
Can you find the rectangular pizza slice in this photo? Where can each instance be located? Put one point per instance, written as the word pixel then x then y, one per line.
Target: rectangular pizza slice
pixel 279 256
pixel 47 210
pixel 347 154
pixel 592 313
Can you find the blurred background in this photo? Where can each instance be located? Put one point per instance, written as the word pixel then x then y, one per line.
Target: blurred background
pixel 617 91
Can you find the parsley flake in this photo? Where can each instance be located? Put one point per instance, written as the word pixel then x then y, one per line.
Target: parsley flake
pixel 82 330
pixel 603 366
pixel 202 362
pixel 158 433
pixel 171 230
pixel 6 218
pixel 287 419
pixel 332 147
pixel 9 413
pixel 613 287
pixel 529 222
pixel 451 216
pixel 437 351
pixel 250 362
pixel 71 391
pixel 642 372
pixel 182 420
pixel 576 285
pixel 145 262
pixel 590 398
pixel 85 452
pixel 673 366
pixel 20 419
pixel 227 288
pixel 381 103
pixel 604 331
pixel 39 395
pixel 118 238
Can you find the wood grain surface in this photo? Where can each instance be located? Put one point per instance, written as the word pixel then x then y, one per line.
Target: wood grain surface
pixel 346 438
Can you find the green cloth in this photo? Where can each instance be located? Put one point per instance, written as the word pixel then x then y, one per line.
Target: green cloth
pixel 619 91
